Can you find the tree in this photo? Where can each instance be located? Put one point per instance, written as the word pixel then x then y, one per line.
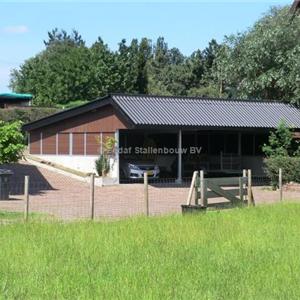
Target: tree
pixel 104 76
pixel 264 62
pixel 59 74
pixel 210 53
pixel 169 71
pixel 11 142
pixel 144 55
pixel 57 36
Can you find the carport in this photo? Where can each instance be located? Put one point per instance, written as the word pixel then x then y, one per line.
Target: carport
pixel 216 135
pixel 179 152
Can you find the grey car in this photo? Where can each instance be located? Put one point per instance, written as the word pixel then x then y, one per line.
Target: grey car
pixel 136 170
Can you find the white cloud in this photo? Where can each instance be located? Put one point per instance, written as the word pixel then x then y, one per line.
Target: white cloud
pixel 15 29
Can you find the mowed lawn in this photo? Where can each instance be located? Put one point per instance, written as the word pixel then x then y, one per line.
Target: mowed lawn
pixel 239 254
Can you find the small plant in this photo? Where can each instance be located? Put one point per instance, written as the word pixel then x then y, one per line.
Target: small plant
pixel 103 162
pixel 102 165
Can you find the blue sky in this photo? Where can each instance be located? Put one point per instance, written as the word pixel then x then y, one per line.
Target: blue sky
pixel 188 26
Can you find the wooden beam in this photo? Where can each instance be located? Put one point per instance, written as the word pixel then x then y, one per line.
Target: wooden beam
pixel 223 193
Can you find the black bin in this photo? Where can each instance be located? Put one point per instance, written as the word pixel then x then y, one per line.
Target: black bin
pixel 5 176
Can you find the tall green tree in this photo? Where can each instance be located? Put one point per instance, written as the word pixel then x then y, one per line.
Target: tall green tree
pixel 104 77
pixel 59 74
pixel 264 62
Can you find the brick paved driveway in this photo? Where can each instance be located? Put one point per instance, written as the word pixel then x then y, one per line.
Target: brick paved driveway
pixel 68 198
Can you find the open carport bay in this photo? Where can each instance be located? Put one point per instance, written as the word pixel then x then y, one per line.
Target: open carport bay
pixel 218 152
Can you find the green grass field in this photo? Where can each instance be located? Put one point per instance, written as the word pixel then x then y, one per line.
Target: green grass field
pixel 8 215
pixel 238 254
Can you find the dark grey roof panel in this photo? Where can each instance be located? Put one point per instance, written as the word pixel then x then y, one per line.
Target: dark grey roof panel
pixel 184 111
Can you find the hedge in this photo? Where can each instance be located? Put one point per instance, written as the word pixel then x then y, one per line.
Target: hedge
pixel 290 168
pixel 26 115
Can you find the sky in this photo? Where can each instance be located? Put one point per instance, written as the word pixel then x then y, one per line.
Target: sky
pixel 186 25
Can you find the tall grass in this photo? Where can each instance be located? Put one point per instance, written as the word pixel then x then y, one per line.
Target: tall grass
pixel 239 254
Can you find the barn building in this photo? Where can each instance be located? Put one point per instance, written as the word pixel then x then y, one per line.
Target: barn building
pixel 189 133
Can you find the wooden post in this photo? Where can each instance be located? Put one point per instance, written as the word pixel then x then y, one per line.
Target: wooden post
pixel 179 162
pixel 241 192
pixel 26 197
pixel 189 198
pixel 146 194
pixel 280 184
pixel 92 196
pixel 196 187
pixel 244 184
pixel 250 196
pixel 203 190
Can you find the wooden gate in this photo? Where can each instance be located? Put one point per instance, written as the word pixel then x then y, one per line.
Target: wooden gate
pixel 236 190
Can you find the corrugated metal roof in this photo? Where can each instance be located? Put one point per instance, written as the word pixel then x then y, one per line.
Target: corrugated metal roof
pixel 185 111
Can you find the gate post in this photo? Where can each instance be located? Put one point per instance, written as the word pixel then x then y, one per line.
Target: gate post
pixel 243 188
pixel 241 192
pixel 92 195
pixel 250 195
pixel 280 184
pixel 196 188
pixel 146 194
pixel 203 189
pixel 26 197
pixel 192 187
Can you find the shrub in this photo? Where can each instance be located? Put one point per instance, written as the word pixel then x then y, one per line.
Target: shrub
pixel 26 115
pixel 11 142
pixel 102 165
pixel 281 142
pixel 290 168
pixel 282 152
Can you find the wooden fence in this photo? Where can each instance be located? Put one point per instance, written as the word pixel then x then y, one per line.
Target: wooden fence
pixel 235 190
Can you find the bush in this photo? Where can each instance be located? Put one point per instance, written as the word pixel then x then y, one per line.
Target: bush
pixel 290 169
pixel 102 165
pixel 11 142
pixel 282 151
